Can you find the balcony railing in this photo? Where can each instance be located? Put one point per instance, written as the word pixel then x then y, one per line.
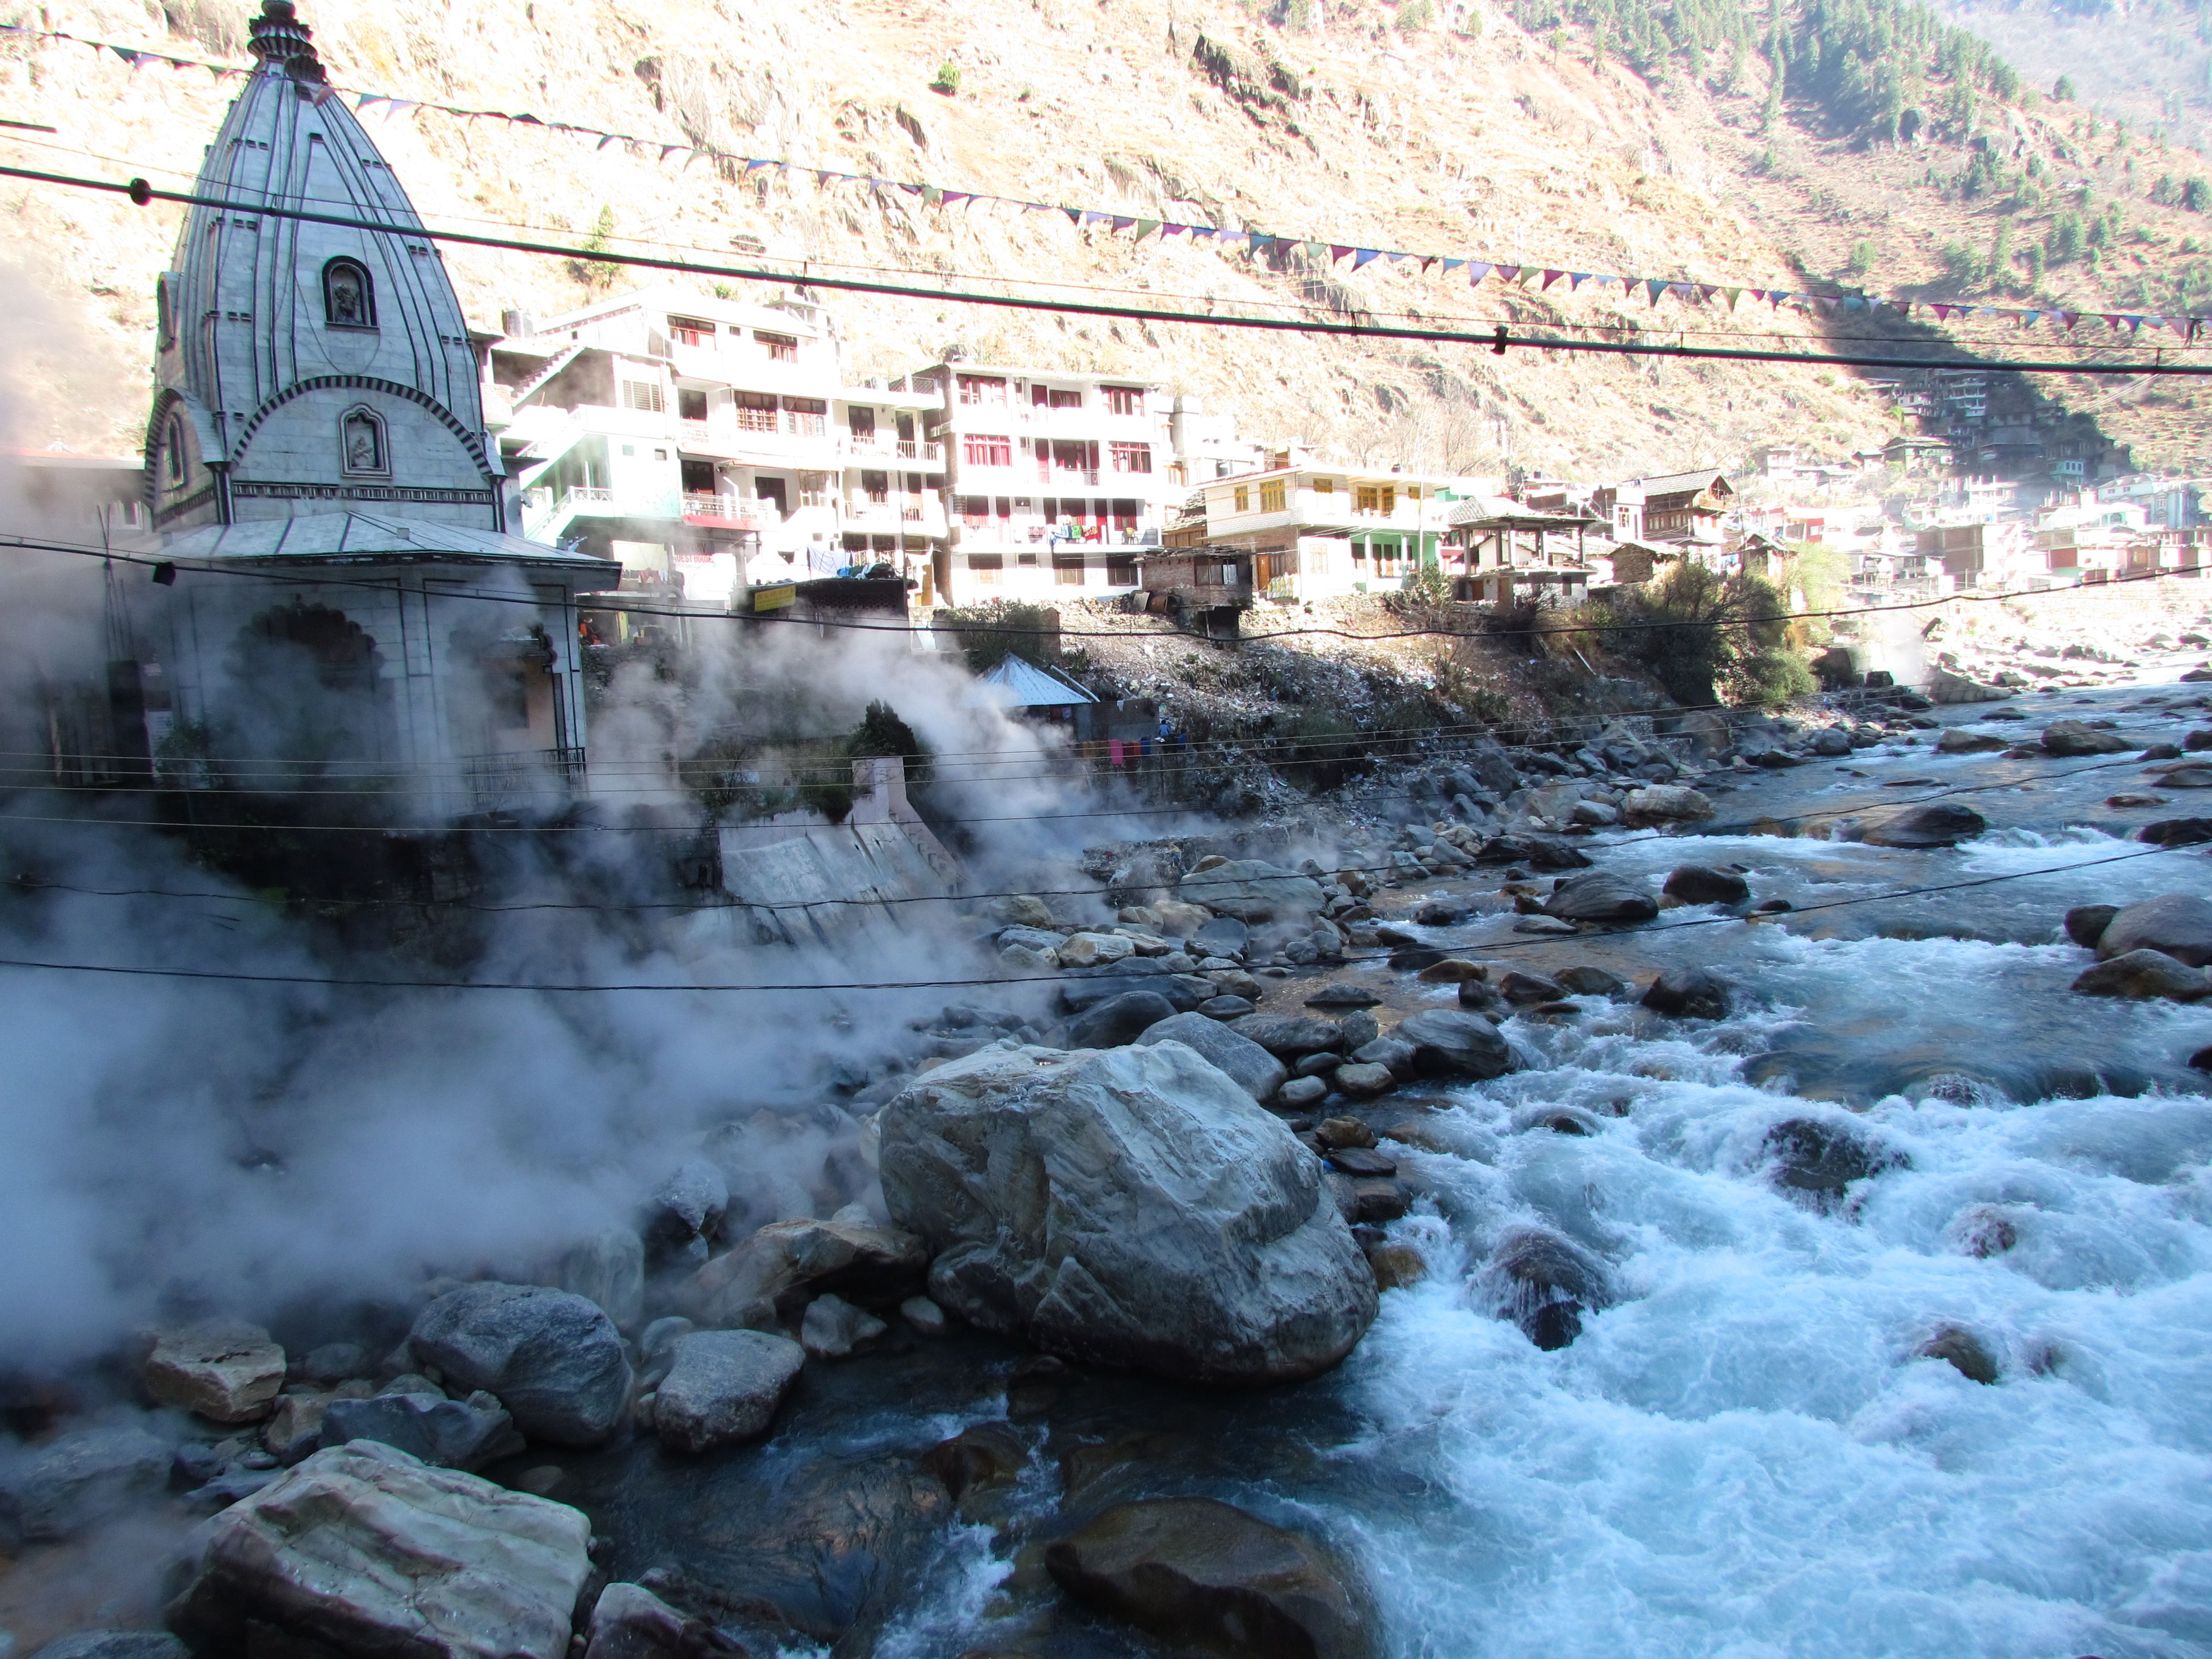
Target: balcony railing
pixel 581 495
pixel 491 778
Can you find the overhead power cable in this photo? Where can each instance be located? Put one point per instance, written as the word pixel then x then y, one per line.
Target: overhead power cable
pixel 1500 339
pixel 1505 948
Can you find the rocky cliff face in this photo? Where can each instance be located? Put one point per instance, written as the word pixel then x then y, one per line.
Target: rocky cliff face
pixel 1469 135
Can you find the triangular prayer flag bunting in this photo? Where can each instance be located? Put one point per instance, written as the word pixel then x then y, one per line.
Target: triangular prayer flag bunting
pixel 1508 273
pixel 955 198
pixel 1123 221
pixel 1363 256
pixel 1450 265
pixel 1428 263
pixel 1657 289
pixel 1167 231
pixel 1145 228
pixel 1734 294
pixel 1550 277
pixel 1476 270
pixel 931 195
pixel 1199 231
pixel 1575 279
pixel 1339 250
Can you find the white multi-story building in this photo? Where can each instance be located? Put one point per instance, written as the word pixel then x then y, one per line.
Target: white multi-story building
pixel 1058 481
pixel 714 442
pixel 1321 530
pixel 1207 444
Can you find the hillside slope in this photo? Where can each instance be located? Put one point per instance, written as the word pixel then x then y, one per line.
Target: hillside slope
pixel 1427 141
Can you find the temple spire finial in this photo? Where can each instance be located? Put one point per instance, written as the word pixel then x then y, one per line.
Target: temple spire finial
pixel 278 36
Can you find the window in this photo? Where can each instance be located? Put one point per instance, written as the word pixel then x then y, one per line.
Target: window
pixel 690 331
pixel 165 314
pixel 807 416
pixel 1377 498
pixel 175 446
pixel 985 567
pixel 643 395
pixel 690 404
pixel 1059 399
pixel 861 423
pixel 755 412
pixel 983 390
pixel 1120 573
pixel 349 297
pixel 1270 495
pixel 361 448
pixel 1123 399
pixel 1243 498
pixel 974 510
pixel 780 347
pixel 1067 573
pixel 1324 486
pixel 1412 492
pixel 1131 457
pixel 982 449
pixel 877 486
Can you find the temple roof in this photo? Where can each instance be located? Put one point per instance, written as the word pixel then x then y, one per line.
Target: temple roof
pixel 372 536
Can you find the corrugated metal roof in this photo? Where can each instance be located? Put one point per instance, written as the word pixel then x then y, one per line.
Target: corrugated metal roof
pixel 1024 685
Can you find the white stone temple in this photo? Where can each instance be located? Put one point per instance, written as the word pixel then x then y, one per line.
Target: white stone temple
pixel 350 597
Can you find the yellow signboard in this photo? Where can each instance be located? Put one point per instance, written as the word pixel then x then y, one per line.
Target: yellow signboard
pixel 773 598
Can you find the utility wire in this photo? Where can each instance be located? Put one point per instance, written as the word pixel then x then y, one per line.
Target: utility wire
pixel 1499 340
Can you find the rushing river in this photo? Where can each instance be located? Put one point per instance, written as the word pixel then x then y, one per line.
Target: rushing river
pixel 1743 1454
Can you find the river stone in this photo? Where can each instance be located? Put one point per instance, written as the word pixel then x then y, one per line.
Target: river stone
pixel 295 1427
pixel 1450 972
pixel 1258 1073
pixel 2186 777
pixel 1119 1019
pixel 1223 936
pixel 1545 1283
pixel 1423 957
pixel 1959 741
pixel 835 1329
pixel 2179 924
pixel 1130 1206
pixel 76 1481
pixel 1289 1037
pixel 1938 823
pixel 722 1386
pixel 1439 913
pixel 1252 889
pixel 1180 921
pixel 1537 852
pixel 1822 1159
pixel 1664 803
pixel 1690 993
pixel 1197 1573
pixel 1963 1352
pixel 115 1644
pixel 1599 895
pixel 1447 1042
pixel 375 1552
pixel 1390 1052
pixel 785 1262
pixel 1023 910
pixel 225 1370
pixel 607 1268
pixel 629 1621
pixel 1040 939
pixel 2086 923
pixel 1343 996
pixel 1526 987
pixel 1586 980
pixel 2070 738
pixel 1700 883
pixel 1226 1007
pixel 2142 975
pixel 2176 832
pixel 1085 988
pixel 452 1434
pixel 1090 950
pixel 553 1357
pixel 689 1205
pixel 1301 1091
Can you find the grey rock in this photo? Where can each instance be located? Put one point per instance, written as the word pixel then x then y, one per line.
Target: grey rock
pixel 1252 889
pixel 1439 913
pixel 1689 994
pixel 77 1480
pixel 779 1266
pixel 1447 1042
pixel 629 1621
pixel 1699 883
pixel 1544 1282
pixel 1256 1071
pixel 1963 1352
pixel 1664 803
pixel 295 1427
pixel 1289 1037
pixel 1938 823
pixel 225 1370
pixel 1040 939
pixel 1131 1207
pixel 1363 1081
pixel 1526 987
pixel 2179 924
pixel 334 1362
pixel 1822 1159
pixel 1201 1576
pixel 1322 1065
pixel 927 1318
pixel 371 1552
pixel 1537 852
pixel 690 1204
pixel 1223 936
pixel 1343 996
pixel 553 1357
pixel 1599 895
pixel 2143 975
pixel 835 1329
pixel 412 1383
pixel 1554 927
pixel 1392 1055
pixel 1302 1092
pixel 1830 742
pixel 1959 741
pixel 1359 1028
pixel 2176 832
pixel 452 1434
pixel 1119 1019
pixel 2086 923
pixel 2068 738
pixel 115 1644
pixel 659 1339
pixel 1586 980
pixel 722 1386
pixel 1225 1007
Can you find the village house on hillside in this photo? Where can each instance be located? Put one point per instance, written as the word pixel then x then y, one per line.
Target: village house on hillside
pixel 342 593
pixel 704 445
pixel 1321 529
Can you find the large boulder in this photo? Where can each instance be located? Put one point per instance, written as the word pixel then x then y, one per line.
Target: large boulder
pixel 1537 852
pixel 2143 975
pixel 1448 1044
pixel 1258 1073
pixel 1118 1019
pixel 769 1274
pixel 553 1357
pixel 1821 1159
pixel 1938 823
pixel 77 1480
pixel 1223 936
pixel 224 1369
pixel 454 1434
pixel 1700 883
pixel 2086 923
pixel 1688 992
pixel 1600 896
pixel 2179 924
pixel 2071 738
pixel 1957 740
pixel 629 1621
pixel 372 1552
pixel 1289 1037
pixel 1130 1206
pixel 1253 889
pixel 1544 1282
pixel 1664 803
pixel 1201 1575
pixel 724 1386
